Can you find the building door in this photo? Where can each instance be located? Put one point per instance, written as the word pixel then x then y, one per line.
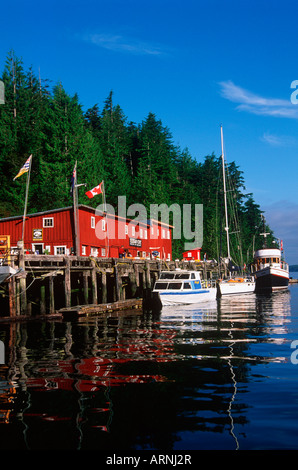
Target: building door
pixel 37 248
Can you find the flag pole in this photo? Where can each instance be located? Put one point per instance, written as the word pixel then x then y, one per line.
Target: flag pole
pixel 75 210
pixel 26 199
pixel 105 210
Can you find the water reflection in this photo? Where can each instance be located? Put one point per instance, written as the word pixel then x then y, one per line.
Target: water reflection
pixel 175 380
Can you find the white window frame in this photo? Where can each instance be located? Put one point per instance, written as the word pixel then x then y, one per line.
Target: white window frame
pixel 44 223
pixel 133 231
pixel 126 229
pixel 60 246
pixel 103 252
pixel 92 221
pixel 103 225
pixel 94 251
pixel 84 248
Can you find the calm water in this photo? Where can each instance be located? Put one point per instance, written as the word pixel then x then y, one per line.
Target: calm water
pixel 219 377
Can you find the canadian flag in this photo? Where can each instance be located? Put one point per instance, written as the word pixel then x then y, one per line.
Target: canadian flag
pixel 93 192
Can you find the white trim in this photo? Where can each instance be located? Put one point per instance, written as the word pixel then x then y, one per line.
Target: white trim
pixel 44 222
pixel 60 246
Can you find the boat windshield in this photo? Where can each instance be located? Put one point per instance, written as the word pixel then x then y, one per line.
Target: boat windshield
pixel 172 275
pixel 167 276
pixel 182 276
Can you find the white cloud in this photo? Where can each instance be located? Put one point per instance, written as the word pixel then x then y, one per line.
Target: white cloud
pixel 256 104
pixel 118 43
pixel 279 141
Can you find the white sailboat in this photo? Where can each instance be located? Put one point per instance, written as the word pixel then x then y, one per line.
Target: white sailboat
pixel 240 284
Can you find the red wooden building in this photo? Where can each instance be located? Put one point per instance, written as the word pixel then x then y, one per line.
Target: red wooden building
pixel 96 234
pixel 192 255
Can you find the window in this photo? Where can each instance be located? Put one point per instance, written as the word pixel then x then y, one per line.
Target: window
pixel 175 285
pixel 167 276
pixel 161 285
pixel 186 285
pixel 92 221
pixel 182 276
pixel 60 250
pixel 103 225
pixel 126 229
pixel 48 222
pixel 133 230
pixel 94 251
pixel 84 250
pixel 141 233
pixel 168 234
pixel 145 234
pixel 103 252
pixel 163 233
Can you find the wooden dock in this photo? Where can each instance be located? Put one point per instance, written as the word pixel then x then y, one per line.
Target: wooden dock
pixel 96 309
pixel 68 285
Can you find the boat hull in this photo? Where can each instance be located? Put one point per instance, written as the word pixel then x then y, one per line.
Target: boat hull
pixel 187 298
pixel 234 288
pixel 271 279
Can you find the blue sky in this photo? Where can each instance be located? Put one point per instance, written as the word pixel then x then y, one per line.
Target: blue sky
pixel 195 64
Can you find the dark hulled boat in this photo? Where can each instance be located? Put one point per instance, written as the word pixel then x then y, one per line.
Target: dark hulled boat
pixel 271 272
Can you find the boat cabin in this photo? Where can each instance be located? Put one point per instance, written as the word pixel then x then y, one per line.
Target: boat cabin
pixel 268 257
pixel 181 280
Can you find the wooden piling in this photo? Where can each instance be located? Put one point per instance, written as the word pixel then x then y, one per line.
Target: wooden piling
pixel 42 299
pixel 52 294
pixel 67 282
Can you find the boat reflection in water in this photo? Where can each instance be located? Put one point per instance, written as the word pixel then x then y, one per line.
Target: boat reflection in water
pixel 186 378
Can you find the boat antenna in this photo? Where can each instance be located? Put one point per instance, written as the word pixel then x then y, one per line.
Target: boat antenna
pixel 264 234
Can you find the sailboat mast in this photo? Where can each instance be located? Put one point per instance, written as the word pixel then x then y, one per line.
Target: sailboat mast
pixel 225 192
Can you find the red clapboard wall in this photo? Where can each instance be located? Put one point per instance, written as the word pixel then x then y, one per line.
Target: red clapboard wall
pixel 99 235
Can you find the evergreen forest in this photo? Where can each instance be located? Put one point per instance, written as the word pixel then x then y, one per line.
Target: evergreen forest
pixel 138 160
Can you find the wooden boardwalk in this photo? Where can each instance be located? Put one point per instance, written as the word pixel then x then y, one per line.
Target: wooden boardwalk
pixel 54 285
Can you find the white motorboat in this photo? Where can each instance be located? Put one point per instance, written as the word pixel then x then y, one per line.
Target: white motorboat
pixel 271 272
pixel 237 285
pixel 6 271
pixel 182 287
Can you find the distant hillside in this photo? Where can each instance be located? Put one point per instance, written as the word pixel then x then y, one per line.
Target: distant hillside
pixel 293 268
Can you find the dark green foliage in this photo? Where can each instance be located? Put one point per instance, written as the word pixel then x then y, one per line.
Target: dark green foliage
pixel 139 161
